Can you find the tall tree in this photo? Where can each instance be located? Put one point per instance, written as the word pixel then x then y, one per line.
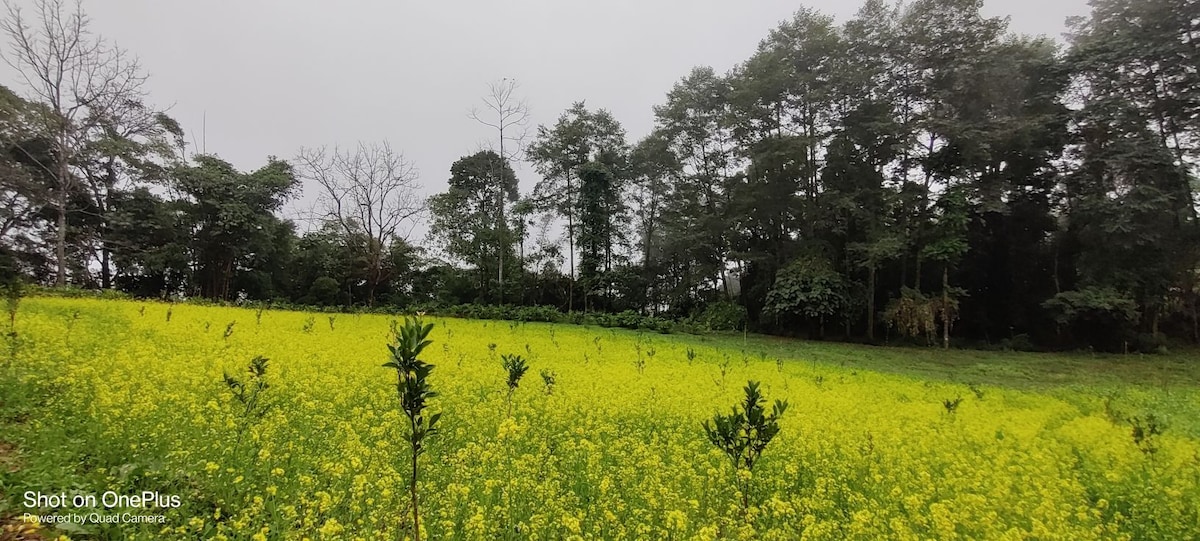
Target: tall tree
pixel 230 217
pixel 600 209
pixel 466 218
pixel 130 143
pixel 578 136
pixel 694 122
pixel 654 168
pixel 946 43
pixel 1143 54
pixel 509 116
pixel 149 241
pixel 1129 198
pixel 25 174
pixel 371 189
pixel 81 79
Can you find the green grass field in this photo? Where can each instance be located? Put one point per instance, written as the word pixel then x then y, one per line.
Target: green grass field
pixel 118 396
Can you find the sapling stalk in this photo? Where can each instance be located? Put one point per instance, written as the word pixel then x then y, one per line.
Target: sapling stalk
pixel 412 384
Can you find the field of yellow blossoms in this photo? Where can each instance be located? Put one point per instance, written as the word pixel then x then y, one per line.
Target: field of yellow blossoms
pixel 128 396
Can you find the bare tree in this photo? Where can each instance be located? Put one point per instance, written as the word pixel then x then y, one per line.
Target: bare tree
pixel 370 191
pixel 78 76
pixel 509 116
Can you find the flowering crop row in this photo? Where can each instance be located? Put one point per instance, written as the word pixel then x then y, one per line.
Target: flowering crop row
pixel 612 450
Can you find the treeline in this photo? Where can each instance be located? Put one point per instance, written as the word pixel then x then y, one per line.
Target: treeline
pixel 918 172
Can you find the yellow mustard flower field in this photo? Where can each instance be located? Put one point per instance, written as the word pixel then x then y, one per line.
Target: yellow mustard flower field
pixel 602 439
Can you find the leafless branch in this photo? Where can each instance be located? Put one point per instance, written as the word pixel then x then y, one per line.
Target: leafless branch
pixel 506 114
pixel 80 78
pixel 370 191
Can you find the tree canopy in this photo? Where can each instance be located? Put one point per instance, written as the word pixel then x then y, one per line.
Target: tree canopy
pixel 917 172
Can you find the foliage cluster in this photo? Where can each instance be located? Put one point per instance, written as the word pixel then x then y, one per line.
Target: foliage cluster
pixel 917 154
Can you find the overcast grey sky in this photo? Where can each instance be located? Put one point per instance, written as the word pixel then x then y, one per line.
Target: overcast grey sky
pixel 272 76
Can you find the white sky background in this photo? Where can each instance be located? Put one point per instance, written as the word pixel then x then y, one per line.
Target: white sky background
pixel 271 76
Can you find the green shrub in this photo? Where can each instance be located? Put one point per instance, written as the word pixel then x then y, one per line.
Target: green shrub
pixel 722 316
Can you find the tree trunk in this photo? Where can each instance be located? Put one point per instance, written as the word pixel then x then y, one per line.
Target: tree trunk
pixel 871 304
pixel 60 244
pixel 946 307
pixel 917 274
pixel 104 203
pixel 725 281
pixel 571 256
pixel 500 226
pixel 521 278
pixel 60 240
pixel 502 236
pixel 105 268
pixel 373 279
pixel 226 278
pixel 1195 320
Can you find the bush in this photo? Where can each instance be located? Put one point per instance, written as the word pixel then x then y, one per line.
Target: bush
pixel 323 291
pixel 722 316
pixel 72 292
pixel 1020 342
pixel 1149 343
pixel 1101 317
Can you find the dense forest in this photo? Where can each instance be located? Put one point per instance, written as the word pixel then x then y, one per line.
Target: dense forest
pixel 915 172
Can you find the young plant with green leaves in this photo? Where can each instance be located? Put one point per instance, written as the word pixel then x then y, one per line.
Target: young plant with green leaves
pixel 1146 430
pixel 412 384
pixel 743 435
pixel 952 405
pixel 516 367
pixel 248 393
pixel 549 378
